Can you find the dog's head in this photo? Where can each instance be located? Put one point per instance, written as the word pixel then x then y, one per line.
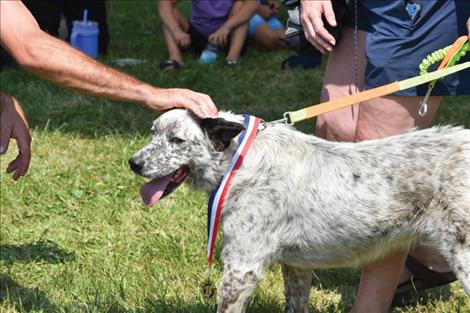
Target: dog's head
pixel 183 146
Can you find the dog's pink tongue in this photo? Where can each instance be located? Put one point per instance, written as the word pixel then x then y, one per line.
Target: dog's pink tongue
pixel 152 191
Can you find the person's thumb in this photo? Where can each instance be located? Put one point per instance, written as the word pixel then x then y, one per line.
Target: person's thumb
pixel 329 13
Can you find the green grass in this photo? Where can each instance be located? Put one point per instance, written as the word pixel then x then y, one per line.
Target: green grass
pixel 75 236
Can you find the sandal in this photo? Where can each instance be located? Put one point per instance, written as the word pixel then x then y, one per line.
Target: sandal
pixel 169 65
pixel 422 279
pixel 232 63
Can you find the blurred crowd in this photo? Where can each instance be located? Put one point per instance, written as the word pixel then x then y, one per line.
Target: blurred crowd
pixel 212 29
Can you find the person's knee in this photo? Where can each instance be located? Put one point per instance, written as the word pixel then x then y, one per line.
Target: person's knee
pixel 236 6
pixel 334 129
pixel 265 40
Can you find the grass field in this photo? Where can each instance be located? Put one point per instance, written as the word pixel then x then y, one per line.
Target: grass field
pixel 75 236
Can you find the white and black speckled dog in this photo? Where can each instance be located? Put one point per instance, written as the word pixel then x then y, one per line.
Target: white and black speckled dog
pixel 309 203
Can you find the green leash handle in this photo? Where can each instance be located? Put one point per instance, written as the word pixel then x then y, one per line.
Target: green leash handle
pixel 453 53
pixel 448 57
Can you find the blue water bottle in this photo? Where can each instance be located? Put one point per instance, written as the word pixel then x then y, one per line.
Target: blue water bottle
pixel 209 55
pixel 84 36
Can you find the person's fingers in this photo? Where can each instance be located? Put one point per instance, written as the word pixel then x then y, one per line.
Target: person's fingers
pixel 311 36
pixel 201 104
pixel 17 172
pixel 19 166
pixel 323 34
pixel 329 13
pixel 24 147
pixel 225 39
pixel 13 165
pixel 178 42
pixel 194 106
pixel 308 27
pixel 315 31
pixel 323 45
pixel 318 47
pixel 187 41
pixel 468 28
pixel 220 40
pixel 24 164
pixel 309 32
pixel 212 39
pixel 207 105
pixel 15 168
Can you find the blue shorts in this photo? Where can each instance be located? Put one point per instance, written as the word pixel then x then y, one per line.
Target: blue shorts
pixel 257 20
pixel 396 44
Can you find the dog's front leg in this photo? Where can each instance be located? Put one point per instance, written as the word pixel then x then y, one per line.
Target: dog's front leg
pixel 237 286
pixel 297 283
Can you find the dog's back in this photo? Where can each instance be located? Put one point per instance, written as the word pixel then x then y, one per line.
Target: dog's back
pixel 351 198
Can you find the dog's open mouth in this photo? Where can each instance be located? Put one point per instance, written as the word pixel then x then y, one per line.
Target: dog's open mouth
pixel 159 188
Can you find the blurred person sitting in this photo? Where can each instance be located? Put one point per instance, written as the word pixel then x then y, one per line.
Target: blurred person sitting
pixel 222 23
pixel 265 29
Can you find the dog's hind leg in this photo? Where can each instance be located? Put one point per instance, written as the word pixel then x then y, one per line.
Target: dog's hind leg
pixel 297 283
pixel 455 240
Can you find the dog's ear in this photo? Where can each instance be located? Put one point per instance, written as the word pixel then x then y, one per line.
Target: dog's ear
pixel 221 131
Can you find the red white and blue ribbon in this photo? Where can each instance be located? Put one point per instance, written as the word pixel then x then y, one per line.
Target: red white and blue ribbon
pixel 217 198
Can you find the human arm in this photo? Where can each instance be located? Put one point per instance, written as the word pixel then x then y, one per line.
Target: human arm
pixel 242 15
pixel 14 125
pixel 312 22
pixel 166 10
pixel 54 60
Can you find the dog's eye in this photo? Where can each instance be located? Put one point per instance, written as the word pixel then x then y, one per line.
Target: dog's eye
pixel 176 140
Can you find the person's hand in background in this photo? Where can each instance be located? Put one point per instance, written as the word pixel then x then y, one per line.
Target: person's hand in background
pixel 14 125
pixel 182 39
pixel 312 13
pixel 220 36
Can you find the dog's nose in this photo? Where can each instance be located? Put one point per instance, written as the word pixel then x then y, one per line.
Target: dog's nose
pixel 136 167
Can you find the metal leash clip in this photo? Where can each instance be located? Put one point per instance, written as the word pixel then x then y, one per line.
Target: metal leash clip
pixel 423 107
pixel 285 120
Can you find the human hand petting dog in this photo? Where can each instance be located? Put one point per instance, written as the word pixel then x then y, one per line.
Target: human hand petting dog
pixel 199 103
pixel 14 125
pixel 315 31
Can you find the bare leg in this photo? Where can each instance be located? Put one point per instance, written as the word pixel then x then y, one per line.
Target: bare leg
pixel 238 36
pixel 266 38
pixel 378 283
pixel 377 118
pixel 174 51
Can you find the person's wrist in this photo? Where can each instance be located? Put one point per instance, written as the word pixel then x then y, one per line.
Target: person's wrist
pixel 150 97
pixel 227 27
pixel 174 30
